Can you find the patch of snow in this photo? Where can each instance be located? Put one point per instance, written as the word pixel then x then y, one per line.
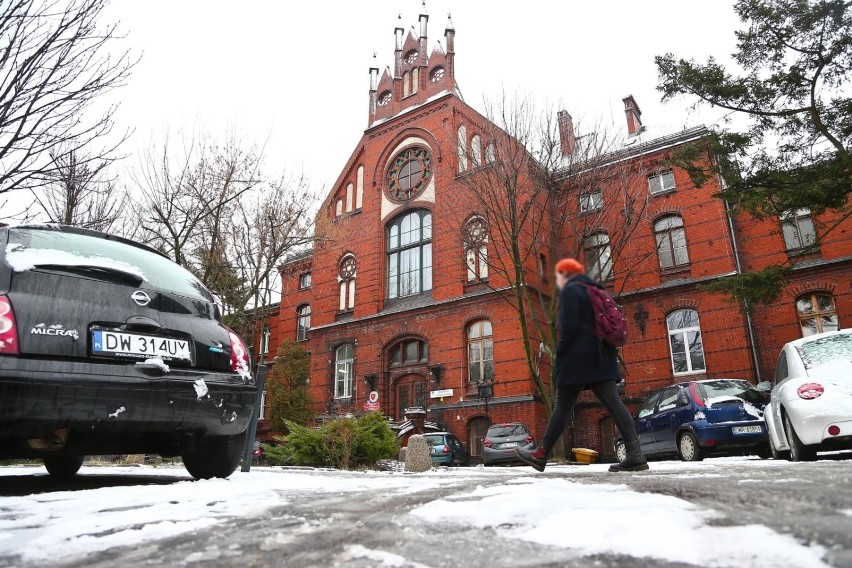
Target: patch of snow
pixel 159 363
pixel 382 558
pixel 611 519
pixel 200 388
pixel 750 409
pixel 63 526
pixel 21 259
pixel 118 411
pixel 700 416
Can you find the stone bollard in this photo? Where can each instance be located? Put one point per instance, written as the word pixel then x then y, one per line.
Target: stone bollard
pixel 402 452
pixel 418 457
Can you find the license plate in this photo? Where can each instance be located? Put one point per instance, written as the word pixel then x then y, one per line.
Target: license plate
pixel 509 445
pixel 135 346
pixel 748 429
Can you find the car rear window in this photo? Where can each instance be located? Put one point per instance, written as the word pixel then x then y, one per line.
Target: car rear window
pixel 30 248
pixel 827 352
pixel 715 390
pixel 506 431
pixel 435 440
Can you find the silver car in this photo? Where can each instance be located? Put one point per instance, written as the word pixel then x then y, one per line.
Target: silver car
pixel 498 446
pixel 811 402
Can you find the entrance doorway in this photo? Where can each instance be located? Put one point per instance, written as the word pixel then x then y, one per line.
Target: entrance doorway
pixel 410 393
pixel 476 430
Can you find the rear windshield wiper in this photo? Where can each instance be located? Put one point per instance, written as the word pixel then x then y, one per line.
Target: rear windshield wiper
pixel 96 272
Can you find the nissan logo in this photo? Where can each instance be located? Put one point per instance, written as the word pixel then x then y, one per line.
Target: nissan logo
pixel 140 298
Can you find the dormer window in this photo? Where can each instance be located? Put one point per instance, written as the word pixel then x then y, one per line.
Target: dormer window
pixel 385 98
pixel 437 74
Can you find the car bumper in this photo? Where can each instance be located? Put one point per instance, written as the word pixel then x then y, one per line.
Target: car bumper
pixel 812 418
pixel 722 436
pixel 442 460
pixel 494 456
pixel 93 400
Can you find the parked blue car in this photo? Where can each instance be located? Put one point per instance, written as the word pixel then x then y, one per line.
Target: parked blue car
pixel 701 418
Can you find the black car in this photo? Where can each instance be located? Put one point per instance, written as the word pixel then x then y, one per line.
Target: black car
pixel 109 347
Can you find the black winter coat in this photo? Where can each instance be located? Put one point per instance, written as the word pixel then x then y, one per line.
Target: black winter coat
pixel 581 357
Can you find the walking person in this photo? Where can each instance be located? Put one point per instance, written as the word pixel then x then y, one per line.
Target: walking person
pixel 583 361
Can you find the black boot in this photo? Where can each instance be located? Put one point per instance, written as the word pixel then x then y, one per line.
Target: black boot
pixel 635 460
pixel 536 458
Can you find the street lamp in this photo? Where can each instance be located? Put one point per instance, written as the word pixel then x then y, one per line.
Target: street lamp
pixel 486 391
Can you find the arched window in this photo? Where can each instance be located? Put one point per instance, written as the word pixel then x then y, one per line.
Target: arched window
pixel 406 84
pixel 409 254
pixel 385 98
pixel 490 153
pixel 437 74
pixel 344 361
pixel 346 278
pixel 598 256
pixel 415 80
pixel 476 249
pixel 480 352
pixel 409 352
pixel 685 343
pixel 476 151
pixel 303 322
pixel 671 241
pixel 339 210
pixel 462 150
pixel 359 188
pixel 349 197
pixel 817 313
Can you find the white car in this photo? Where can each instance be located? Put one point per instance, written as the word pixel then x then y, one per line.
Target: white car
pixel 810 408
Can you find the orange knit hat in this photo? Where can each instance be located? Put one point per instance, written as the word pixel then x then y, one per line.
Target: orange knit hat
pixel 570 266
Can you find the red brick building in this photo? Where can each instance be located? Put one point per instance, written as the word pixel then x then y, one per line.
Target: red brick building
pixel 395 299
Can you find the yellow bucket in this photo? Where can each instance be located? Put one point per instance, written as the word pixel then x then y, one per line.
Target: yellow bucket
pixel 584 455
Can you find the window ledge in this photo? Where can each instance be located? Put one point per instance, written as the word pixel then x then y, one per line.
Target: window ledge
pixel 688 373
pixel 675 272
pixel 803 253
pixel 662 193
pixel 590 212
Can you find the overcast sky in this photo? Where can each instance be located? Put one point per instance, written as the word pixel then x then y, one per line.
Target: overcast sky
pixel 294 75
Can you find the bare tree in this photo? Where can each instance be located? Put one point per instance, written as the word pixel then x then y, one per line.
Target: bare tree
pixel 80 193
pixel 214 211
pixel 533 186
pixel 54 63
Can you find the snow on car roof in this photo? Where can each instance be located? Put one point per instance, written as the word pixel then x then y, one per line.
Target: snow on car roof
pixel 818 336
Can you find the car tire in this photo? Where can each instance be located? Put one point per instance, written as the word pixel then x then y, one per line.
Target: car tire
pixel 688 449
pixel 63 466
pixel 764 452
pixel 214 456
pixel 799 452
pixel 621 451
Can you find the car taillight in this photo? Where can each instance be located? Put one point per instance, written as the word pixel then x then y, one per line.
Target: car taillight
pixel 810 391
pixel 486 442
pixel 696 394
pixel 529 440
pixel 8 329
pixel 834 430
pixel 239 356
pixel 445 449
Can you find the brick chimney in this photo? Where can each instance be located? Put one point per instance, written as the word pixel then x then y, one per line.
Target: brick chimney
pixel 567 139
pixel 634 115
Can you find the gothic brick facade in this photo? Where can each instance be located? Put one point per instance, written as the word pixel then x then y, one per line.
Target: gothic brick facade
pixel 392 308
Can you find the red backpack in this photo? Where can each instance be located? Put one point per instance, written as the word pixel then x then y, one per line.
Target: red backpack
pixel 610 323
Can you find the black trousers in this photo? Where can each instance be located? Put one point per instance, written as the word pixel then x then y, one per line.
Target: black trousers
pixel 607 393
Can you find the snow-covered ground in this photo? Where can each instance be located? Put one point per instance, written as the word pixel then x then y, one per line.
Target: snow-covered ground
pixel 554 509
